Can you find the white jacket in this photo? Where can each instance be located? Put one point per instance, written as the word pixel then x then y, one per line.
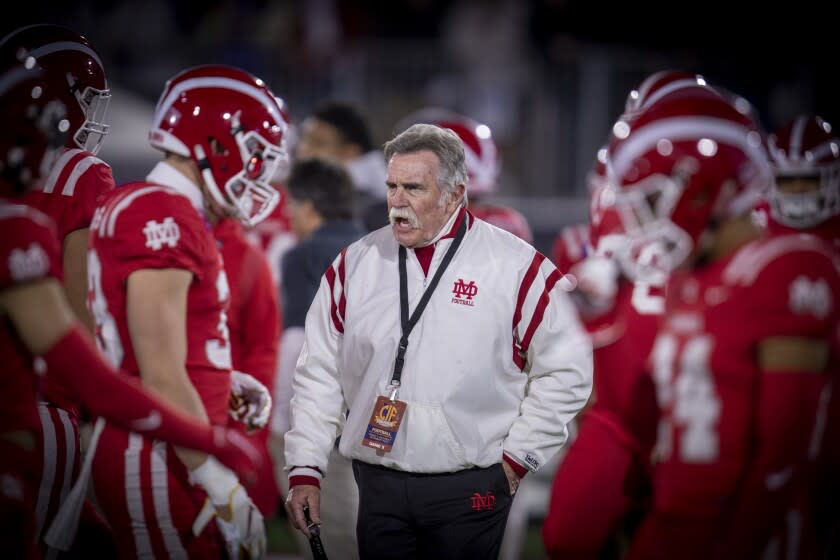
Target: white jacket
pixel 504 369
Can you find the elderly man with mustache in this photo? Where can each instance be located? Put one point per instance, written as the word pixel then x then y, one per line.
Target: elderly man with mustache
pixel 448 357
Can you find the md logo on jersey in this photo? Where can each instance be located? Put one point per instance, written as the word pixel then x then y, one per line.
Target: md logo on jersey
pixel 464 292
pixel 810 298
pixel 158 235
pixel 29 264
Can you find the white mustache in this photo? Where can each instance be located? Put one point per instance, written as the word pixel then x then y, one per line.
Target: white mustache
pixel 404 213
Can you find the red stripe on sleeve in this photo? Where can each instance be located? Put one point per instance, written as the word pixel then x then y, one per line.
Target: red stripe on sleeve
pixel 536 319
pixel 61 180
pixel 330 275
pixel 342 303
pixel 527 281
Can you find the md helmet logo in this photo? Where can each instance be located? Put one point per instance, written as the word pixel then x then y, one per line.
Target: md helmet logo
pixel 464 292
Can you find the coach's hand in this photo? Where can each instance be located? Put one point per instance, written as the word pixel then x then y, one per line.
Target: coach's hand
pixel 512 477
pixel 298 497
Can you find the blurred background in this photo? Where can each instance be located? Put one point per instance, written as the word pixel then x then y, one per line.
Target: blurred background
pixel 547 76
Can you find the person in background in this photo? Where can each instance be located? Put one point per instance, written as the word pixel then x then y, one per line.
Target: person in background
pixel 338 131
pixel 407 324
pixel 805 197
pixel 743 349
pixel 322 211
pixel 254 330
pixel 483 168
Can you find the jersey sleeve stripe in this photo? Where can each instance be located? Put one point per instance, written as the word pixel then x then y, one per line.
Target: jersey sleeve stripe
pixel 124 203
pixel 59 167
pixel 79 170
pixel 749 263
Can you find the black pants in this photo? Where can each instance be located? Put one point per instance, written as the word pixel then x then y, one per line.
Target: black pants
pixel 442 516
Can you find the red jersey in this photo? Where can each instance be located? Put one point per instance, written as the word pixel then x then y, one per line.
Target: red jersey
pixel 69 197
pixel 507 219
pixel 705 370
pixel 253 317
pixel 254 324
pixel 28 252
pixel 275 236
pixel 71 190
pixel 148 226
pixel 570 247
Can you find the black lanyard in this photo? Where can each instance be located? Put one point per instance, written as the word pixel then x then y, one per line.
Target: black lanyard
pixel 408 324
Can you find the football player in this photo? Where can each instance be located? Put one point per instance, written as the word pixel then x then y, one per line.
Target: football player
pixel 742 351
pixel 601 486
pixel 159 296
pixel 74 70
pixel 254 331
pixel 805 197
pixel 41 338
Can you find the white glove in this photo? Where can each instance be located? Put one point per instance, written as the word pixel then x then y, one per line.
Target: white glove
pixel 250 401
pixel 239 520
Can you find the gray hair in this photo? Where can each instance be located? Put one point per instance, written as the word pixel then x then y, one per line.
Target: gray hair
pixel 442 142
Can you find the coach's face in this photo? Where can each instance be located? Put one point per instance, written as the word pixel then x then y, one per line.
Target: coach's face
pixel 417 208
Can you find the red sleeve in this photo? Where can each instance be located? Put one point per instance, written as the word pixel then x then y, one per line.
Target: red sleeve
pixel 797 294
pixel 569 247
pixel 71 192
pixel 785 417
pixel 89 187
pixel 507 219
pixel 794 295
pixel 28 246
pixel 259 320
pixel 120 399
pixel 157 230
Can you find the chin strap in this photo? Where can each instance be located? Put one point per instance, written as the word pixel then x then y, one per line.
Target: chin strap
pixel 207 175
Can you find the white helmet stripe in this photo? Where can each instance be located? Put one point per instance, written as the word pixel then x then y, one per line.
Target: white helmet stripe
pixel 665 90
pixel 222 83
pixel 797 135
pixel 677 129
pixel 59 46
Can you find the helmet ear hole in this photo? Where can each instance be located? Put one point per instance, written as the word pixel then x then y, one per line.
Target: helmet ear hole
pixel 217 147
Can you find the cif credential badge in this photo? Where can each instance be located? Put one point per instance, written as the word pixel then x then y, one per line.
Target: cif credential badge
pixel 384 423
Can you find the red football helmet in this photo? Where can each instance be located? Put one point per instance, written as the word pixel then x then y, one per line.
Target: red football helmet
pixel 656 86
pixel 72 68
pixel 684 165
pixel 229 123
pixel 35 126
pixel 480 151
pixel 807 148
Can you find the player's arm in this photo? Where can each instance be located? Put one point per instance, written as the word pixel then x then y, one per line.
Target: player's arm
pixel 791 378
pixel 261 321
pixel 48 328
pixel 259 334
pixel 157 323
pixel 74 263
pixel 156 306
